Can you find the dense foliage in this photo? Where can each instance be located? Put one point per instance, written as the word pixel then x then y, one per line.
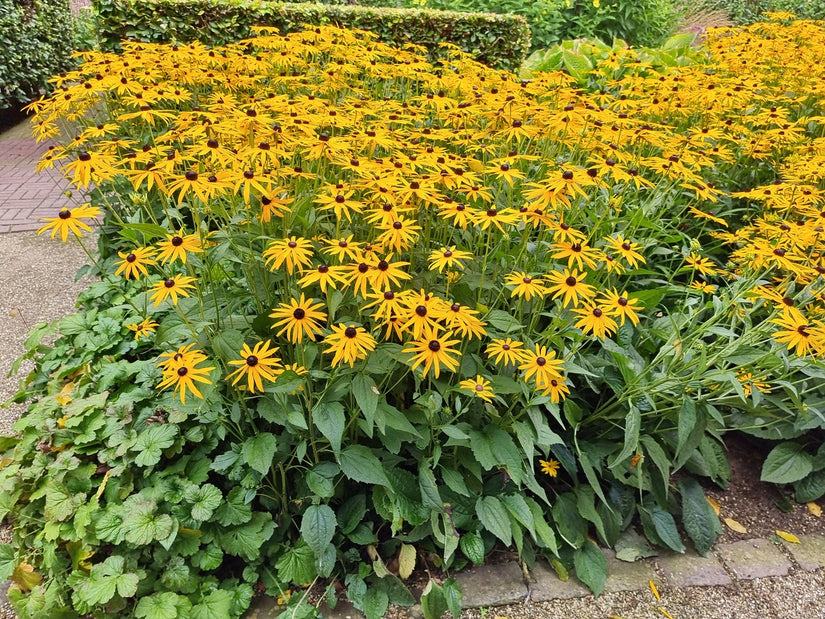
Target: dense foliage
pixel 745 12
pixel 358 313
pixel 501 41
pixel 35 44
pixel 644 22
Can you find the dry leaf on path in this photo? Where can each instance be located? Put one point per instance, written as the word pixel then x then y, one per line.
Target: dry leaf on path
pixel 788 537
pixel 733 525
pixel 714 505
pixel 814 508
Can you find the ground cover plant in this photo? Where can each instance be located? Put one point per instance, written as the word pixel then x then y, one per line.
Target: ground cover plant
pixel 359 314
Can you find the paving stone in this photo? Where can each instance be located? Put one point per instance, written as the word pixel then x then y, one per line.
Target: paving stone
pixel 548 586
pixel 624 576
pixel 492 585
pixel 343 610
pixel 691 570
pixel 264 607
pixel 754 558
pixel 809 552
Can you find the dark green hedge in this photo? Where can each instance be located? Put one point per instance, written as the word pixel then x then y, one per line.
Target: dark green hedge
pixel 501 41
pixel 35 43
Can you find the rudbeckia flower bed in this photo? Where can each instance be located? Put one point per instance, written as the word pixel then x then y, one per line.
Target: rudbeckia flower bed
pixel 359 315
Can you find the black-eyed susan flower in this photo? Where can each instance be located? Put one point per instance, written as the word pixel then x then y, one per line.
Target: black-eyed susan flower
pixel 505 351
pixel 540 365
pixel 620 305
pixel 386 304
pixel 295 253
pixel 704 265
pixel 433 350
pixel 479 387
pixel 323 275
pixel 570 286
pixel 68 220
pixel 596 320
pixel 423 311
pixel 494 218
pixel 180 369
pixel 171 288
pixel 399 235
pixel 176 246
pixel 133 263
pixel 448 257
pixel 299 318
pixel 343 248
pixel 257 364
pixel 349 344
pixel 384 274
pixel 557 389
pixel 577 252
pixel 464 321
pixel 143 329
pixel 524 285
pixel 804 336
pixel 626 249
pixel 549 467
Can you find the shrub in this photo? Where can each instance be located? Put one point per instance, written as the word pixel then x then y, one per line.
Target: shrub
pixel 35 44
pixel 357 311
pixel 501 41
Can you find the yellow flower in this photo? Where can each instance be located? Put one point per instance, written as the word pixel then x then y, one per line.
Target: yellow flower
pixel 257 363
pixel 176 246
pixel 541 365
pixel 180 370
pixel 143 329
pixel 596 320
pixel 172 287
pixel 299 318
pixel 570 286
pixel 505 352
pixel 448 257
pixel 479 387
pixel 69 221
pixel 433 350
pixel 295 253
pixel 134 263
pixel 349 344
pixel 549 467
pixel 525 285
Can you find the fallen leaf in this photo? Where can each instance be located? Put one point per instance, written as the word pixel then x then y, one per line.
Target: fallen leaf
pixel 815 509
pixel 654 590
pixel 714 505
pixel 25 577
pixel 788 537
pixel 733 525
pixel 406 561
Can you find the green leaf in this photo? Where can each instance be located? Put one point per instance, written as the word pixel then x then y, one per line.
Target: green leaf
pixel 545 536
pixel 216 605
pixel 632 423
pixel 503 321
pixel 318 527
pixel 569 523
pixel 433 602
pixel 259 451
pixel 472 545
pixel 685 424
pixel 520 511
pixel 7 561
pixel 788 462
pixel 142 525
pixel 330 419
pixel 376 602
pixel 152 441
pixel 59 503
pixel 234 510
pixel 493 516
pixel 297 565
pixel 591 567
pixel 351 513
pixel 665 527
pixel 320 479
pixel 205 500
pixel 246 540
pixel 366 395
pixel 360 464
pixel 157 606
pixel 811 488
pixel 698 517
pixel 452 596
pixel 429 489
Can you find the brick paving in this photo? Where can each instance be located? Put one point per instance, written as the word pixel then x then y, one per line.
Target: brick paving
pixel 27 196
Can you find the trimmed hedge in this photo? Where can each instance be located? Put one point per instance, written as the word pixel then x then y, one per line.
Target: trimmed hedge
pixel 500 41
pixel 35 44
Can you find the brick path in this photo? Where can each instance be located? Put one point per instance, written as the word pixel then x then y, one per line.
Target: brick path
pixel 26 195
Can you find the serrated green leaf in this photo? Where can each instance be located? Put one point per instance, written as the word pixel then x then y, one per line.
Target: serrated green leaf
pixel 234 509
pixel 591 567
pixel 330 419
pixel 812 488
pixel 569 523
pixel 157 606
pixel 685 424
pixel 247 540
pixel 297 565
pixel 700 521
pixel 665 527
pixel 433 602
pixel 430 495
pixel 216 605
pixel 151 442
pixel 360 464
pixel 786 463
pixel 259 451
pixel 7 561
pixel 493 515
pixel 205 500
pixel 472 545
pixel 318 527
pixel 376 602
pixel 366 395
pixel 632 423
pixel 452 596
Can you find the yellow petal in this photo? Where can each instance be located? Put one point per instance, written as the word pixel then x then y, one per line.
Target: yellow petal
pixel 733 525
pixel 815 509
pixel 665 613
pixel 654 590
pixel 714 505
pixel 788 537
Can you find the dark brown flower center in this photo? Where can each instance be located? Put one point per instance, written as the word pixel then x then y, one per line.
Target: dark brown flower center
pixel 340 199
pixel 626 246
pixel 383 265
pixel 421 310
pixel 191 175
pixel 131 258
pixel 540 361
pixel 363 267
pixel 434 345
pixel 323 269
pixel 84 156
pixel 182 371
pixel 252 361
pixel 350 332
pixel 64 214
pixel 527 280
pixel 779 252
pixel 397 225
pixel 177 241
pixel 455 307
pixel 505 347
pixel 621 301
pixel 169 283
pixel 292 244
pixel 479 387
pixel 299 313
pixel 597 312
pixel 571 281
pixel 448 253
